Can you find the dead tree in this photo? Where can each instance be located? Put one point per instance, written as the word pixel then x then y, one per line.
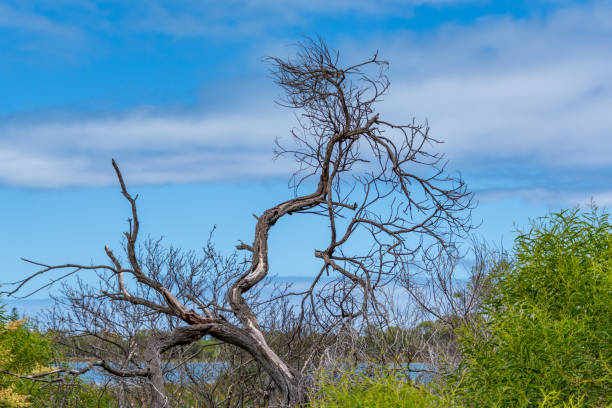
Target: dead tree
pixel 446 292
pixel 382 190
pixel 134 347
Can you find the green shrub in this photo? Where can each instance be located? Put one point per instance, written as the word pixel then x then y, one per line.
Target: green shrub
pixel 380 389
pixel 545 337
pixel 23 352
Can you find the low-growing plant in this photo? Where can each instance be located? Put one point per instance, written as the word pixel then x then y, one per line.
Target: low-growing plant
pixel 378 389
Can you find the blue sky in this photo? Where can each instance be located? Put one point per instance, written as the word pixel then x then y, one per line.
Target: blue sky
pixel 176 91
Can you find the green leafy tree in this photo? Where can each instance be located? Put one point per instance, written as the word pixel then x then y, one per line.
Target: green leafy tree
pixel 24 352
pixel 545 335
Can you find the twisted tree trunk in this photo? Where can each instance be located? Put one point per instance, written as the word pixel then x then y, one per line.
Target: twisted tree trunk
pixel 153 358
pixel 252 341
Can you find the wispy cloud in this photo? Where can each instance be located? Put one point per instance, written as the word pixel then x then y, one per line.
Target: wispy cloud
pixel 28 20
pixel 191 18
pixel 530 89
pixel 152 148
pixel 24 167
pixel 239 18
pixel 555 198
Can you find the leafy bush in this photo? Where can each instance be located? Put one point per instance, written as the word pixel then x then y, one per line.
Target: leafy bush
pixel 383 388
pixel 545 337
pixel 23 352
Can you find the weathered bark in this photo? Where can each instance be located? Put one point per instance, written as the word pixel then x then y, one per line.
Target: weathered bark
pixel 153 358
pixel 282 375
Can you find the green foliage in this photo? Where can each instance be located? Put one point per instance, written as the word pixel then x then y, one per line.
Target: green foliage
pixel 28 350
pixel 439 331
pixel 380 389
pixel 208 350
pixel 23 352
pixel 545 337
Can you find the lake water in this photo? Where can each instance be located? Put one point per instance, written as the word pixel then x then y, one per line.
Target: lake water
pixel 208 371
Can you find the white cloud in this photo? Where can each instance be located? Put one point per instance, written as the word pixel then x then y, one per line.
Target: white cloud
pixel 236 18
pixel 150 130
pixel 193 18
pixel 603 198
pixel 27 20
pixel 538 89
pixel 555 198
pixel 33 169
pixel 546 113
pixel 149 147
